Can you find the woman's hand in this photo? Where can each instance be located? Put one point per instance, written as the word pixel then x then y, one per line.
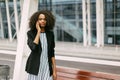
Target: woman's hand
pixel 54 75
pixel 38 27
pixel 36 40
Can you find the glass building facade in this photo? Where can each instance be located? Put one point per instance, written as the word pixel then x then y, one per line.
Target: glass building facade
pixel 112 21
pixel 7 19
pixel 69 20
pixel 70 14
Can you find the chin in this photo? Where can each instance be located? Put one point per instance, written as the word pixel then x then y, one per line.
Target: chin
pixel 42 26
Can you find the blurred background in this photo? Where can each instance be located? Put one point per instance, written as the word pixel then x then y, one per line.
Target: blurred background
pixel 87 34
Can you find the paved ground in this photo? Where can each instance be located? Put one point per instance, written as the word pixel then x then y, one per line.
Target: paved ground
pixel 78 65
pixel 89 66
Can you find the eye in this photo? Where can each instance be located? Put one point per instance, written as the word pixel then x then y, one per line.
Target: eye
pixel 42 19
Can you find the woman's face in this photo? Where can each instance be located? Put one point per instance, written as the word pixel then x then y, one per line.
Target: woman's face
pixel 42 20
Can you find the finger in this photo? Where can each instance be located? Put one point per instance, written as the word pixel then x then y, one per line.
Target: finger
pixel 37 23
pixel 54 77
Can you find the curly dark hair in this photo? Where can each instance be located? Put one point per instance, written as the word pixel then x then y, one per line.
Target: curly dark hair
pixel 49 18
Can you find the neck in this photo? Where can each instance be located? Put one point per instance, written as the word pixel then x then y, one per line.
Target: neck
pixel 42 29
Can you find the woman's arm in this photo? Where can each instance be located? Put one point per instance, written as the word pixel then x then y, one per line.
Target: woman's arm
pixel 36 40
pixel 33 46
pixel 33 42
pixel 54 69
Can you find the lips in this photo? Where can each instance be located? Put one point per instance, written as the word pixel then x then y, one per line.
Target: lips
pixel 42 24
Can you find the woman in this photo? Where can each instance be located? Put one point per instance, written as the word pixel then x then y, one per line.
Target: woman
pixel 41 61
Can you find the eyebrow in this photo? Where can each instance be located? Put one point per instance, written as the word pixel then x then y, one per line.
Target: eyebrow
pixel 41 18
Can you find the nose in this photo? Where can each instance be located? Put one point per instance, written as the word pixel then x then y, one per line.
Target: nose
pixel 42 20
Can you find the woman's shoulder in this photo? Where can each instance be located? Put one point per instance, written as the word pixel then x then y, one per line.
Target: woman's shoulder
pixel 50 31
pixel 31 32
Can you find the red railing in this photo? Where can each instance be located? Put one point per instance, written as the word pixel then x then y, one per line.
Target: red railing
pixel 64 73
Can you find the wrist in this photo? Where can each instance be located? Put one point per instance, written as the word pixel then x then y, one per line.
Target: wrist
pixel 38 31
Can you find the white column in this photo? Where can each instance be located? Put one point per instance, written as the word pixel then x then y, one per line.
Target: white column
pixel 34 7
pixel 1 24
pixel 89 22
pixel 21 5
pixel 55 29
pixel 100 23
pixel 8 20
pixel 19 68
pixel 84 23
pixel 77 18
pixel 16 17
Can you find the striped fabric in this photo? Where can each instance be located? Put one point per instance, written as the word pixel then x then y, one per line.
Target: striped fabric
pixel 44 66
